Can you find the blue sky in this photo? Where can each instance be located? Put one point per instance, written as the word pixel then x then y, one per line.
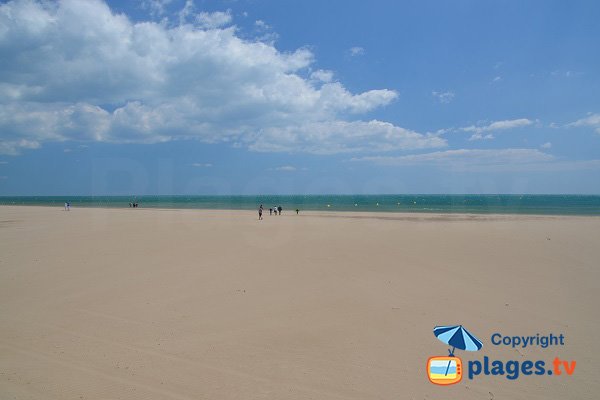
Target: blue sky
pixel 247 97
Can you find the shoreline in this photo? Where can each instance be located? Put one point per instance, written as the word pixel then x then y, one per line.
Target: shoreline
pixel 497 204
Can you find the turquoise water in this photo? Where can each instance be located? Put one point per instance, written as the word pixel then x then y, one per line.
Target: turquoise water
pixel 478 204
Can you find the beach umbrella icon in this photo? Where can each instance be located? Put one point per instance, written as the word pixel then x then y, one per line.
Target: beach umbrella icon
pixel 457 337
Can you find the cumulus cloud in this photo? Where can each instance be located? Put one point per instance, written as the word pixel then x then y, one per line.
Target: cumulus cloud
pixel 343 137
pixel 592 121
pixel 443 97
pixel 546 145
pixel 74 70
pixel 322 75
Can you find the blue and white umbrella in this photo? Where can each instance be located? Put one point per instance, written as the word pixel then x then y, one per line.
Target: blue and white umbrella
pixel 457 337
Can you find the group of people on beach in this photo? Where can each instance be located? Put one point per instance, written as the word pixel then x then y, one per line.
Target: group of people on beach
pixel 67 206
pixel 133 205
pixel 277 211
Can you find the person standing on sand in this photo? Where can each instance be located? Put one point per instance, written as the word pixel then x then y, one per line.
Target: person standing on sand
pixel 260 210
pixel 297 211
pixel 279 209
pixel 271 211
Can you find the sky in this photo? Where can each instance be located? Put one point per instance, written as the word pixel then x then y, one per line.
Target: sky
pixel 286 97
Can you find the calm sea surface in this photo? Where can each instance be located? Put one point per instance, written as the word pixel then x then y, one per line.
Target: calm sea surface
pixel 479 204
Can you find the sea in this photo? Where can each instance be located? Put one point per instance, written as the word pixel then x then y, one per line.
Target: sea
pixel 475 204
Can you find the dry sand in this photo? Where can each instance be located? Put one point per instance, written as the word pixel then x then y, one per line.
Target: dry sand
pixel 187 304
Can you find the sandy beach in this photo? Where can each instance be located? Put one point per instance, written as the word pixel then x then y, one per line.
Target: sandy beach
pixel 190 304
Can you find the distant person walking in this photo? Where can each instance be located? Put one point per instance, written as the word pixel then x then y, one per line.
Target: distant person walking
pixel 271 211
pixel 279 209
pixel 297 211
pixel 260 211
pixel 66 206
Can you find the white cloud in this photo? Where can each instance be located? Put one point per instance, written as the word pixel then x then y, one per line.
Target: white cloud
pixel 156 7
pixel 202 165
pixel 443 97
pixel 261 24
pixel 322 75
pixel 73 70
pixel 479 130
pixel 488 160
pixel 464 156
pixel 214 20
pixel 592 121
pixel 499 125
pixel 356 51
pixel 343 137
pixel 481 136
pixel 287 168
pixel 3 162
pixel 186 11
pixel 14 147
pixel 546 145
pixel 264 32
pixel 497 79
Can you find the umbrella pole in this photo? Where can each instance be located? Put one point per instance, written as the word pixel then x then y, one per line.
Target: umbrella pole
pixel 449 361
